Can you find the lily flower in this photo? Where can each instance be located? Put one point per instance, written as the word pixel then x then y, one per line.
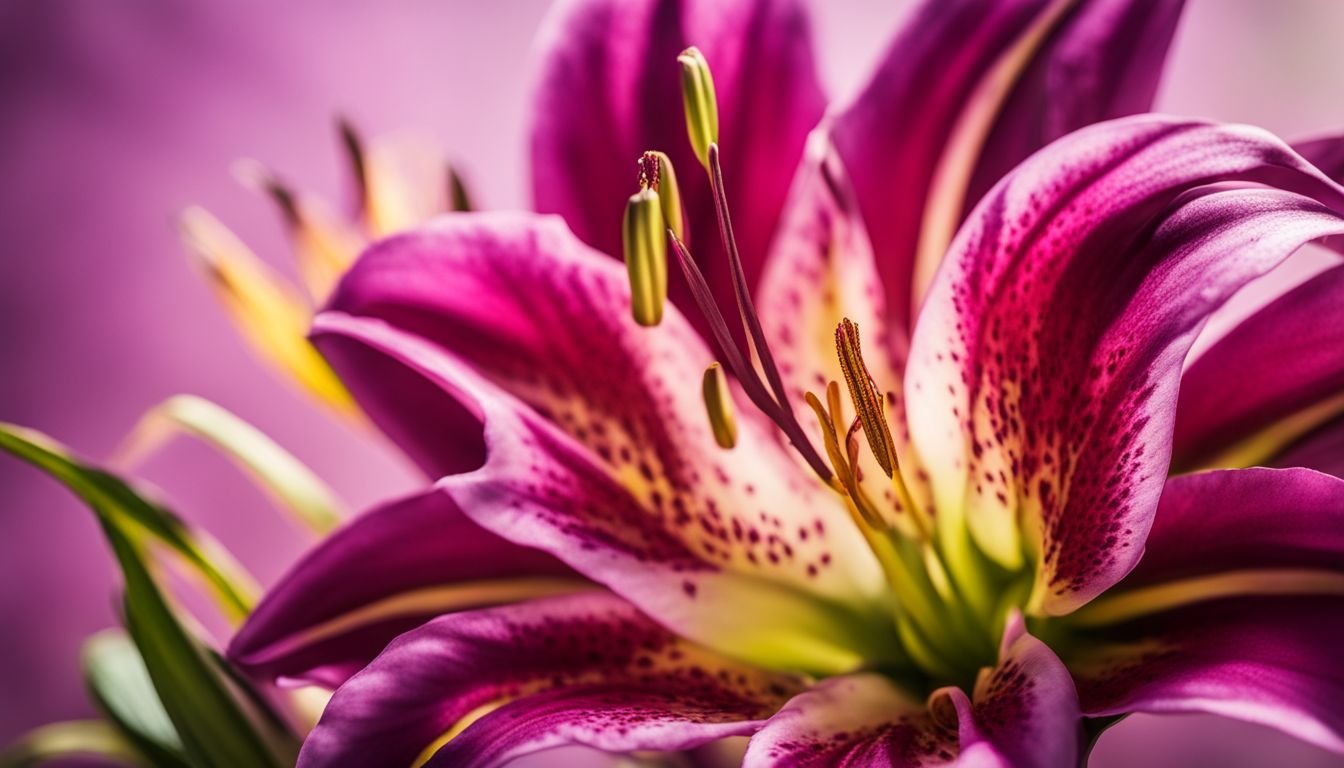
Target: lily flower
pixel 942 527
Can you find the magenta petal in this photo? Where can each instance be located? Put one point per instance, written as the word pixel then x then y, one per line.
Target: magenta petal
pixel 391 553
pixel 1322 449
pixel 584 669
pixel 1243 519
pixel 1326 153
pixel 610 89
pixel 1268 660
pixel 1101 61
pixel 1044 370
pixel 1276 364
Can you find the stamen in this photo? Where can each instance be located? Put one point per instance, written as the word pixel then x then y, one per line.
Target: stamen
pixel 746 375
pixel 458 196
pixel 719 406
pixel 868 401
pixel 701 105
pixel 354 150
pixel 645 256
pixel 656 173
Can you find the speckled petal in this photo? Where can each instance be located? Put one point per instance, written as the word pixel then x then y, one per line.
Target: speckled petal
pixel 585 669
pixel 1024 714
pixel 941 106
pixel 1269 382
pixel 610 89
pixel 1043 373
pixel 387 571
pixel 622 478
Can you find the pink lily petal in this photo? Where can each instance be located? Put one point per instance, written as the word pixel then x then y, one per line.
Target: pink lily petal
pixel 1024 713
pixel 583 669
pixel 387 571
pixel 1270 381
pixel 1326 153
pixel 941 97
pixel 610 89
pixel 1322 450
pixel 1043 373
pixel 638 496
pixel 1269 658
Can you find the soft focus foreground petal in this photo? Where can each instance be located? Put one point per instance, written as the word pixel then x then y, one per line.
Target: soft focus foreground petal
pixel 1268 660
pixel 969 88
pixel 517 300
pixel 1271 380
pixel 1044 369
pixel 1234 531
pixel 610 88
pixel 389 570
pixel 619 682
pixel 820 272
pixel 1024 714
pixel 675 554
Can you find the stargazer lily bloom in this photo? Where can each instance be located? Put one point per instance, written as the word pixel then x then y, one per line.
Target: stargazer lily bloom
pixel 921 510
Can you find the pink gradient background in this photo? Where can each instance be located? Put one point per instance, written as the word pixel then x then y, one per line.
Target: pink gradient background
pixel 115 115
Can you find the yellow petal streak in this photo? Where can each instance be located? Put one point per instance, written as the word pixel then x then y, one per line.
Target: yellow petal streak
pixel 266 309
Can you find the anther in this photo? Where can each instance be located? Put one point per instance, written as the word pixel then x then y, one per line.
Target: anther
pixel 868 401
pixel 644 237
pixel 719 406
pixel 656 173
pixel 701 105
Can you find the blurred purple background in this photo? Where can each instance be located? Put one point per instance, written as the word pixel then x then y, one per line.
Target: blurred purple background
pixel 115 115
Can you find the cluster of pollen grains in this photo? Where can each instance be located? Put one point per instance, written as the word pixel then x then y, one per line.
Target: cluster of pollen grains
pixel 1055 397
pixel 618 651
pixel 620 391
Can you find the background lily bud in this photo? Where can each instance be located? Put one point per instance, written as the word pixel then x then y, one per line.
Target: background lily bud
pixel 655 172
pixel 702 107
pixel 719 406
pixel 644 237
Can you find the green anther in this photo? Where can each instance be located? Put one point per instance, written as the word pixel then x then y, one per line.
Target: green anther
pixel 655 172
pixel 719 406
pixel 702 107
pixel 645 238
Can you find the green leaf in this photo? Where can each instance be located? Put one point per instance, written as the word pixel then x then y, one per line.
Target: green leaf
pixel 293 485
pixel 221 722
pixel 217 721
pixel 120 686
pixel 77 738
pixel 116 503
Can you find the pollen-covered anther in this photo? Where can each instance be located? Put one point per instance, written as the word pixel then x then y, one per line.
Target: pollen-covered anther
pixel 645 240
pixel 719 406
pixel 868 400
pixel 701 105
pixel 656 173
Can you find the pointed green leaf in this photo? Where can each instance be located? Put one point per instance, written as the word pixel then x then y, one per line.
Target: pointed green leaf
pixel 294 486
pixel 117 504
pixel 120 686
